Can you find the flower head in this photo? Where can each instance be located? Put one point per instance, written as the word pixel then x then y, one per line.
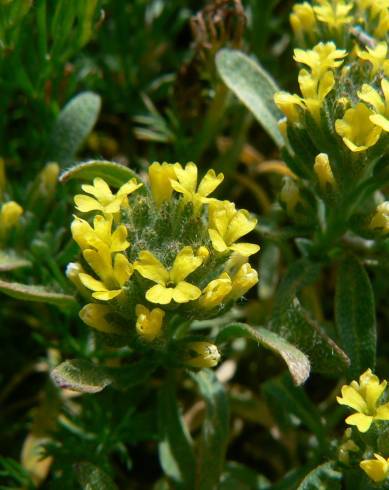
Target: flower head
pixel 334 14
pixel 381 217
pixel 101 233
pixel 302 19
pixel 380 116
pixel 321 58
pixel 245 278
pixel 149 322
pixel 100 317
pixel 376 469
pixel 170 283
pixel 289 104
pixel 227 225
pixel 103 199
pixel 356 128
pixel 377 57
pixel 202 355
pixel 186 184
pixel 215 291
pixel 363 397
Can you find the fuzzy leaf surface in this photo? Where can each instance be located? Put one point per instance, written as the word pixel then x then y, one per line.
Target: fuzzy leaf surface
pixel 81 375
pixel 30 292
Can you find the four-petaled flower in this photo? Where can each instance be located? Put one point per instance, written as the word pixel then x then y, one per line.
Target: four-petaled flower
pixel 363 397
pixel 171 284
pixel 103 199
pixel 101 233
pixel 321 58
pixel 380 105
pixel 377 57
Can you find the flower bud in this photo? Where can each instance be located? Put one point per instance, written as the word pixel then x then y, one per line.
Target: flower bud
pixel 290 194
pixel 216 291
pixel 201 354
pixel 9 215
pixel 99 317
pixel 161 187
pixel 244 279
pixel 302 19
pixel 381 217
pixel 149 322
pixel 323 170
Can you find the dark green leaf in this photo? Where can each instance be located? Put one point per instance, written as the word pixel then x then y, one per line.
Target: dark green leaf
pixel 296 361
pixel 91 477
pixel 215 431
pixel 355 315
pixel 29 292
pixel 323 477
pixel 73 125
pixel 175 449
pixel 239 477
pixel 80 375
pixel 253 86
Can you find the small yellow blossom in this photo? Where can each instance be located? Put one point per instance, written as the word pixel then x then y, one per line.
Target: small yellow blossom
pixel 103 199
pixel 215 291
pixel 323 170
pixel 170 283
pixel 363 397
pixel 377 57
pixel 201 354
pixel 382 27
pixel 113 276
pixel 321 58
pixel 99 317
pixel 376 469
pixel 86 236
pixel 290 194
pixel 9 215
pixel 186 184
pixel 302 19
pixel 356 128
pixel 334 14
pixel 243 280
pixel 380 105
pixel 149 322
pixel 289 104
pixel 315 90
pixel 227 225
pixel 160 176
pixel 381 217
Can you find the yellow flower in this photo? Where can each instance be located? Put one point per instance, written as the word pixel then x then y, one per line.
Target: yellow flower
pixel 381 217
pixel 86 236
pixel 376 469
pixel 323 170
pixel 227 225
pixel 201 354
pixel 186 184
pixel 290 194
pixel 334 14
pixel 321 58
pixel 381 105
pixel 315 90
pixel 9 215
pixel 160 176
pixel 356 128
pixel 99 317
pixel 382 27
pixel 103 199
pixel 113 277
pixel 170 283
pixel 363 398
pixel 377 57
pixel 216 291
pixel 289 104
pixel 244 279
pixel 149 322
pixel 302 19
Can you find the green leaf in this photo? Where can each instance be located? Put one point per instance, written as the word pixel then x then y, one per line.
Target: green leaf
pixel 296 361
pixel 268 266
pixel 80 375
pixel 175 449
pixel 10 261
pixel 29 292
pixel 113 173
pixel 292 322
pixel 355 315
pixel 239 477
pixel 91 477
pixel 322 477
pixel 73 125
pixel 215 431
pixel 253 86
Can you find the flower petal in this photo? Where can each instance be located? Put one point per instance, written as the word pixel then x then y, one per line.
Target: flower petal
pixel 185 292
pixel 184 264
pixel 159 294
pixel 122 269
pixel 217 241
pixel 187 177
pixel 106 295
pixel 151 268
pixel 91 283
pixel 87 203
pixel 245 249
pixel 352 398
pixel 360 420
pixel 209 183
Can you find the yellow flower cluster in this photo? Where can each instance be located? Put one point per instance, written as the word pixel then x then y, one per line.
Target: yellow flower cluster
pixel 148 254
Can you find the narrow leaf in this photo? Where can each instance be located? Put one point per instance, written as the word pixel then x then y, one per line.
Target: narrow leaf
pixel 324 476
pixel 91 477
pixel 73 125
pixel 355 315
pixel 253 86
pixel 215 431
pixel 10 261
pixel 296 361
pixel 80 375
pixel 175 449
pixel 113 173
pixel 29 292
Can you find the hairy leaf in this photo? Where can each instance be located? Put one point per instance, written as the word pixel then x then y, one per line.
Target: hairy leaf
pixel 91 477
pixel 324 476
pixel 10 261
pixel 29 292
pixel 80 375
